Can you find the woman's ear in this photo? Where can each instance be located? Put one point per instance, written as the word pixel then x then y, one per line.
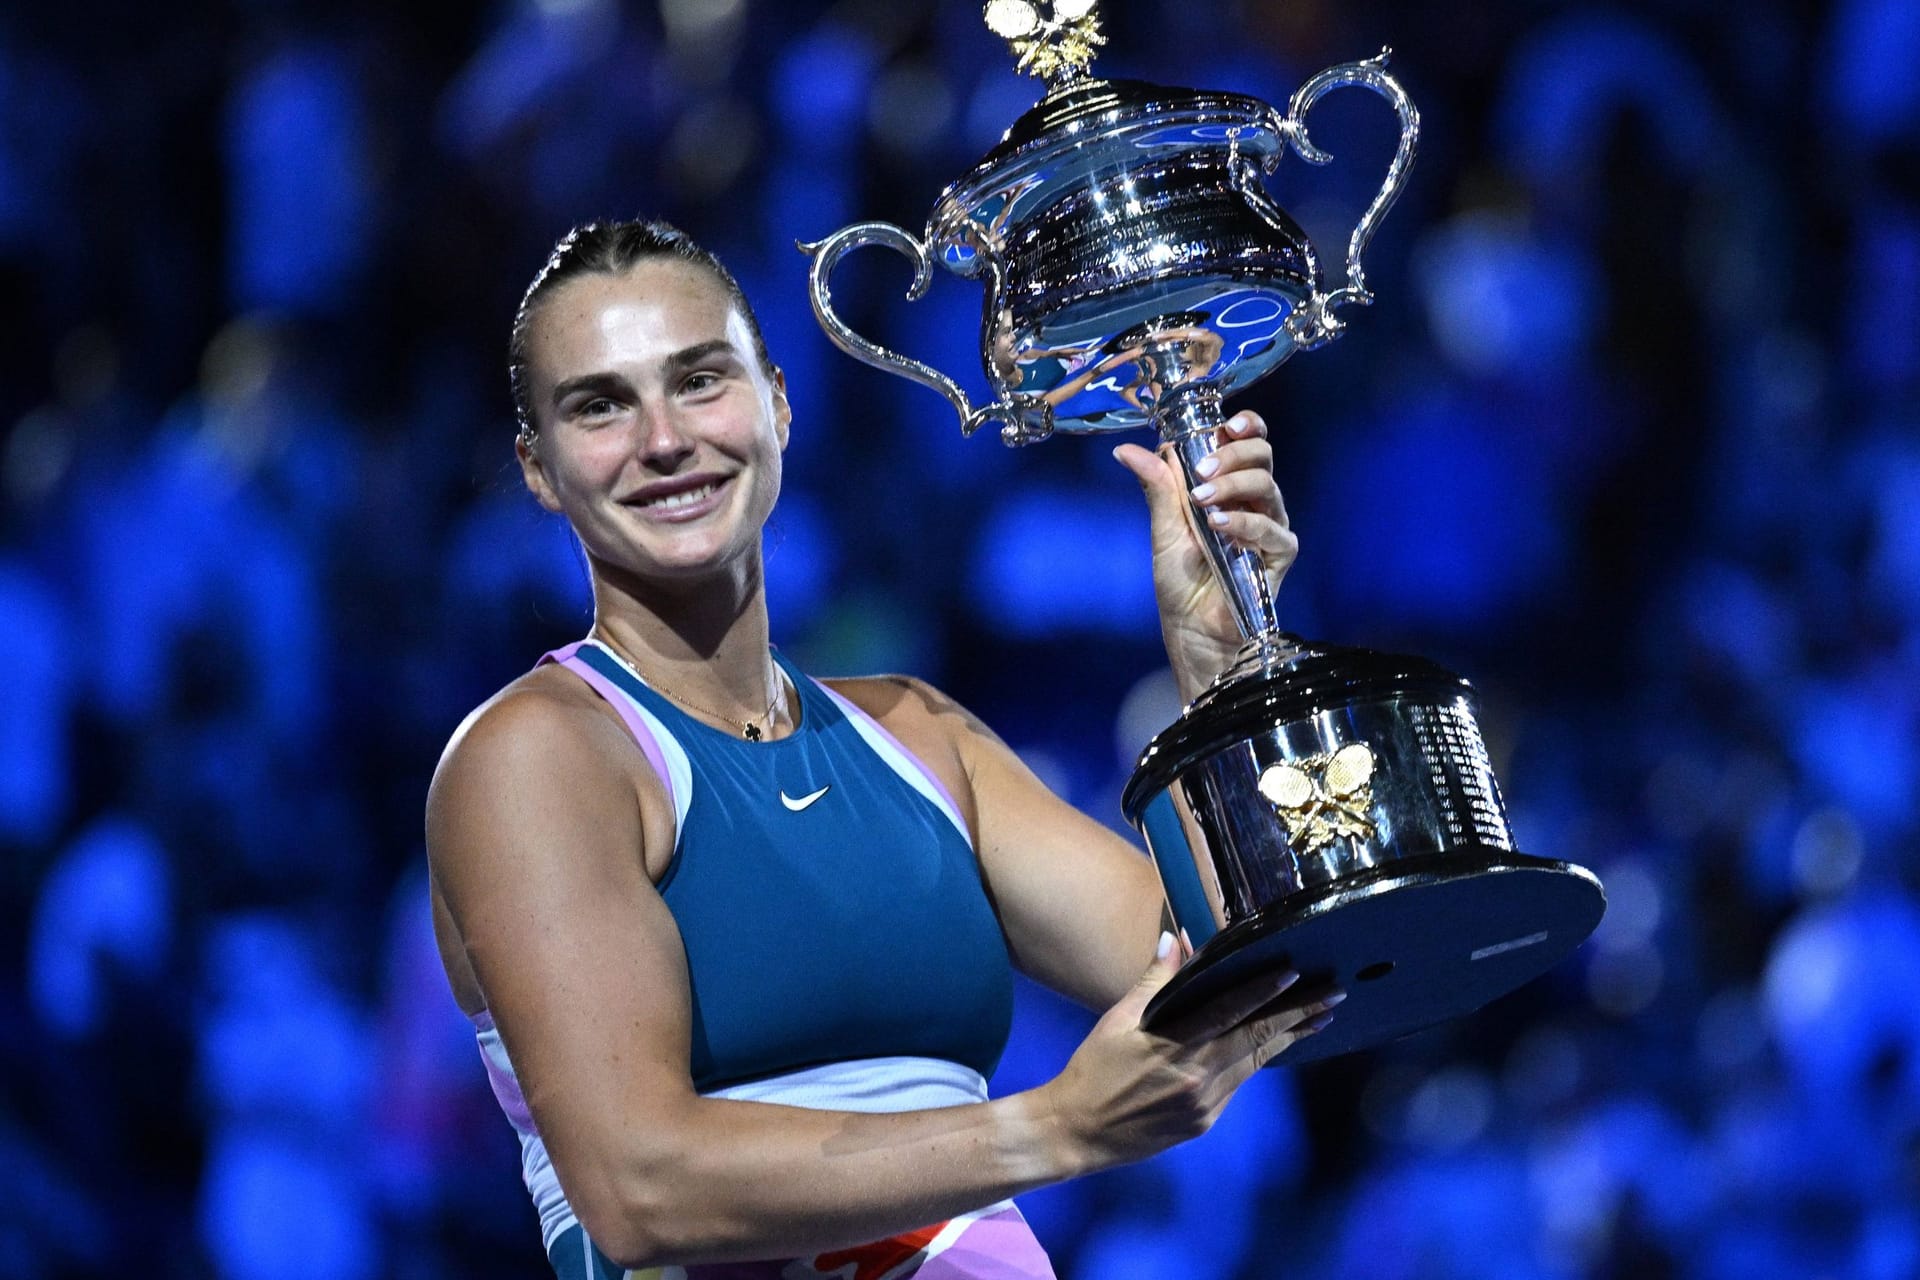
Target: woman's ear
pixel 534 473
pixel 782 408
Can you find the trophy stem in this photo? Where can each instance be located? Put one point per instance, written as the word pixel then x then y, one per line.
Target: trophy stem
pixel 1190 421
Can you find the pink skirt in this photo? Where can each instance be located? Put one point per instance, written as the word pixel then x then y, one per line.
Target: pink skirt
pixel 992 1244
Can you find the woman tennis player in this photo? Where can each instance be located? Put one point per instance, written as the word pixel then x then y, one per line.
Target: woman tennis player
pixel 738 944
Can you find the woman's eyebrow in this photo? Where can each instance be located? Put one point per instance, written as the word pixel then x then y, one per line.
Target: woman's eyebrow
pixel 699 351
pixel 600 383
pixel 605 383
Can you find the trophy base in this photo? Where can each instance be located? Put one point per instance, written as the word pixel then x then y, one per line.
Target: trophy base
pixel 1413 944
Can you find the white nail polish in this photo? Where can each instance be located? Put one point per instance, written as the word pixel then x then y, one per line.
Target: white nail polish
pixel 1218 519
pixel 1166 945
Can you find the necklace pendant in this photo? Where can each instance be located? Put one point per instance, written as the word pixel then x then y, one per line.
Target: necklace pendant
pixel 751 730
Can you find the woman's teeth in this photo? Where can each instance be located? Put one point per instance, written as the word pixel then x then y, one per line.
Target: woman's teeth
pixel 673 501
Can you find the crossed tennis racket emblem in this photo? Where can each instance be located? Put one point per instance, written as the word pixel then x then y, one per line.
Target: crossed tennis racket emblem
pixel 1323 797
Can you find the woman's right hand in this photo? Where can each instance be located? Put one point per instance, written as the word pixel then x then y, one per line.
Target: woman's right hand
pixel 1129 1093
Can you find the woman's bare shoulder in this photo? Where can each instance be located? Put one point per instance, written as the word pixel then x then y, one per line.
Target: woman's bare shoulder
pixel 908 702
pixel 546 729
pixel 545 700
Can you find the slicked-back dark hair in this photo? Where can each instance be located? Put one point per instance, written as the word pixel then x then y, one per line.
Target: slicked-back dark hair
pixel 609 248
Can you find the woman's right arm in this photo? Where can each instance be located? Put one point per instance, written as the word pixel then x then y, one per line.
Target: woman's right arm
pixel 535 833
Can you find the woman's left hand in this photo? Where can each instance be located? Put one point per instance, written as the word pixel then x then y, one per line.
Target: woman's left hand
pixel 1241 501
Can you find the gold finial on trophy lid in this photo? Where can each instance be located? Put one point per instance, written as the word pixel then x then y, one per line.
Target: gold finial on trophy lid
pixel 1059 47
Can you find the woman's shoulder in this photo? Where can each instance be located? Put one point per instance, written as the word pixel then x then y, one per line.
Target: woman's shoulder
pixel 902 700
pixel 544 726
pixel 546 700
pixel 894 700
pixel 926 720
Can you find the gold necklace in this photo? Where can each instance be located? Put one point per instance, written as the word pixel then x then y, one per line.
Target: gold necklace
pixel 748 728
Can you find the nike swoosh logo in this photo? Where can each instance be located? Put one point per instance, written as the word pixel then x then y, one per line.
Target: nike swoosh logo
pixel 797 805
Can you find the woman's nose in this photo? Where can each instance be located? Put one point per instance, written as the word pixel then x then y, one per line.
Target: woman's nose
pixel 663 443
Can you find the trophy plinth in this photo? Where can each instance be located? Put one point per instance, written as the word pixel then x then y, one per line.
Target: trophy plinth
pixel 1333 811
pixel 1321 809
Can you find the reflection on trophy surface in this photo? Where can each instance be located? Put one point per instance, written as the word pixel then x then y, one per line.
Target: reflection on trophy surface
pixel 1323 809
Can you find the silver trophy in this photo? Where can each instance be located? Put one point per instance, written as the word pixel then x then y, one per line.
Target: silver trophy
pixel 1323 809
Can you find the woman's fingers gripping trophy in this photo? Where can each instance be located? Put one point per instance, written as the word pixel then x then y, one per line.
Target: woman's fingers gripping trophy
pixel 1241 501
pixel 1129 1093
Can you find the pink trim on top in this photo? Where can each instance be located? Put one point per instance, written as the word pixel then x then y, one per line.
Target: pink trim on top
pixel 938 786
pixel 505 1085
pixel 607 689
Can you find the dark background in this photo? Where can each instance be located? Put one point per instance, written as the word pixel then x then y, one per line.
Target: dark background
pixel 1629 439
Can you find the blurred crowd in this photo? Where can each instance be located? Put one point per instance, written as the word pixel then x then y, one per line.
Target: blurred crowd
pixel 1631 438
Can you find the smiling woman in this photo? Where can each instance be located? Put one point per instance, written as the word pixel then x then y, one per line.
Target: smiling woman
pixel 660 432
pixel 737 944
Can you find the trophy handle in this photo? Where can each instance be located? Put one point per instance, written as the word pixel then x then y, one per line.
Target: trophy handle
pixel 1317 323
pixel 1022 419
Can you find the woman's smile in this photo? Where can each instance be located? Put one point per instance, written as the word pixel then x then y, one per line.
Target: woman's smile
pixel 681 500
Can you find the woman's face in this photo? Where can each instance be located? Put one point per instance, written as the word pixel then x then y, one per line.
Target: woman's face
pixel 659 434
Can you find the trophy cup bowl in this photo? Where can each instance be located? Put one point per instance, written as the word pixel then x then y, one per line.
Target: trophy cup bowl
pixel 1326 810
pixel 1130 252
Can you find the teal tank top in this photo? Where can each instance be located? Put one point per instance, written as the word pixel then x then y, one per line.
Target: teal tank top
pixel 825 888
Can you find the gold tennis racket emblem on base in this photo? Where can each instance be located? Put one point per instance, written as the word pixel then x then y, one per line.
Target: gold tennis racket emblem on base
pixel 1323 797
